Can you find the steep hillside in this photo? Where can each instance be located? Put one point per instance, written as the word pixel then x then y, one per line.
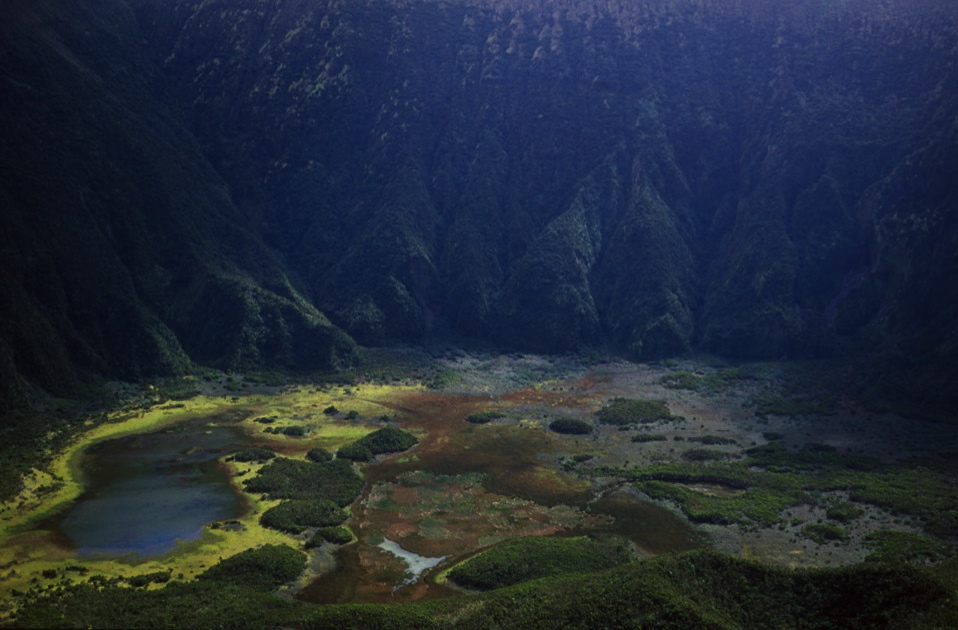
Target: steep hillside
pixel 658 176
pixel 198 179
pixel 122 252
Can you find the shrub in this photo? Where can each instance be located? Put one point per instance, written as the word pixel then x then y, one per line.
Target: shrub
pixel 649 437
pixel 254 454
pixel 895 546
pixel 521 559
pixel 681 380
pixel 484 417
pixel 622 411
pixel 338 535
pixel 265 567
pixel 824 532
pixel 290 479
pixel 385 440
pixel 843 512
pixel 570 426
pixel 712 440
pixel 296 516
pixel 355 452
pixel 319 455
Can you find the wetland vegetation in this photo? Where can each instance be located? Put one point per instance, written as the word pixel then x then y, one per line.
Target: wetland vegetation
pixel 535 502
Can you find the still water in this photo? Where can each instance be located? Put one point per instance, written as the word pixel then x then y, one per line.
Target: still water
pixel 147 492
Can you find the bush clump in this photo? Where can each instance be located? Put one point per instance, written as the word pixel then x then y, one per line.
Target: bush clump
pixel 264 567
pixel 570 426
pixel 319 455
pixel 521 559
pixel 484 417
pixel 824 533
pixel 254 454
pixel 338 535
pixel 623 411
pixel 291 479
pixel 843 512
pixel 648 437
pixel 385 440
pixel 296 516
pixel 896 546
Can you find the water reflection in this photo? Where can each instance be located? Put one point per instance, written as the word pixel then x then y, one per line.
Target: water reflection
pixel 147 492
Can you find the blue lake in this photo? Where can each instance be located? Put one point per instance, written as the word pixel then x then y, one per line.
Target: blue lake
pixel 147 492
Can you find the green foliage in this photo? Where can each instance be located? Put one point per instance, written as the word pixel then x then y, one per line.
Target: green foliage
pixel 705 455
pixel 773 405
pixel 570 426
pixel 843 512
pixel 897 546
pixel 681 380
pixel 624 411
pixel 648 437
pixel 484 417
pixel 158 577
pixel 291 479
pixel 712 440
pixel 355 451
pixel 319 455
pixel 254 454
pixel 338 535
pixel 291 431
pixel 265 567
pixel 522 559
pixel 298 515
pixel 385 440
pixel 824 533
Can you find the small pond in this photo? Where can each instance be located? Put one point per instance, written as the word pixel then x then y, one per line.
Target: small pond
pixel 145 493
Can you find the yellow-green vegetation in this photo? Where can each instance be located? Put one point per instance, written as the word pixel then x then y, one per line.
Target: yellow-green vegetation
pixel 31 555
pixel 626 411
pixel 522 559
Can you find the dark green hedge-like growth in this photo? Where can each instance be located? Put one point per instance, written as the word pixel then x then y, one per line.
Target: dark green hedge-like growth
pixel 484 417
pixel 624 411
pixel 385 440
pixel 264 567
pixel 285 478
pixel 298 515
pixel 570 426
pixel 522 559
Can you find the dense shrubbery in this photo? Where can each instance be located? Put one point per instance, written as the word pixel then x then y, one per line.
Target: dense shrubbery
pixel 385 440
pixel 897 546
pixel 253 454
pixel 570 426
pixel 484 417
pixel 648 437
pixel 824 533
pixel 319 455
pixel 264 567
pixel 843 512
pixel 522 559
pixel 624 411
pixel 712 440
pixel 355 452
pixel 336 534
pixel 293 431
pixel 693 590
pixel 290 479
pixel 298 515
